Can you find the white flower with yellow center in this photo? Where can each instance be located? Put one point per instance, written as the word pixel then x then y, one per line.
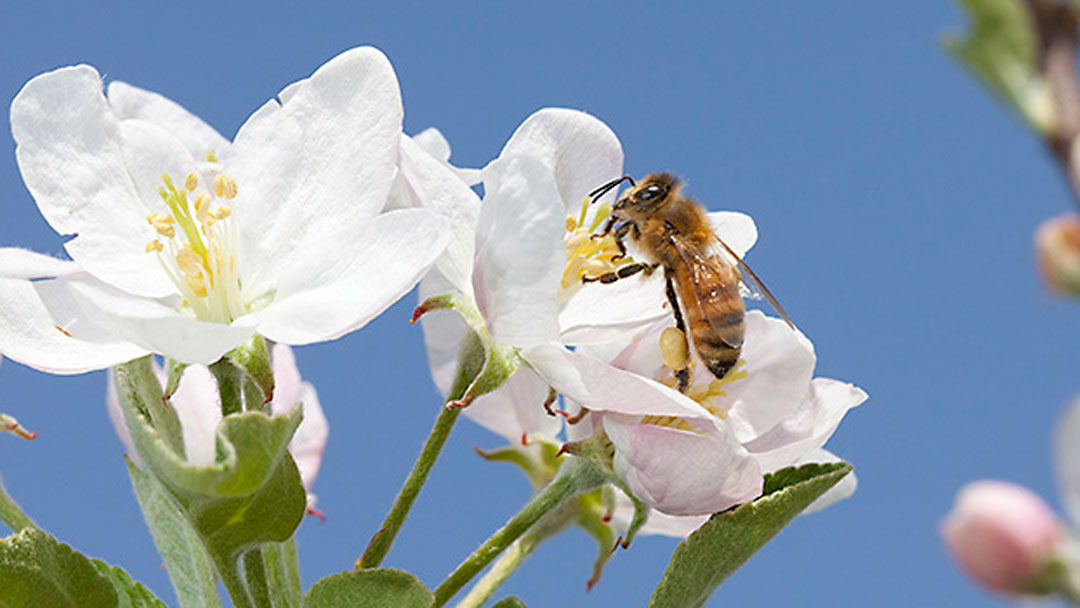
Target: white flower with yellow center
pixel 186 244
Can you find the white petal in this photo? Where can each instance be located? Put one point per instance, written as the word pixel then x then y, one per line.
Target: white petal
pixel 43 327
pixel 680 472
pixel 198 406
pixel 308 443
pixel 601 313
pixel 443 332
pixel 129 101
pixel 737 230
pixel 1067 457
pixel 843 489
pixel 340 283
pixel 432 141
pixel 678 526
pixel 581 150
pixel 780 362
pixel 18 263
pixel 434 186
pixel 318 165
pixel 809 426
pixel 603 388
pixel 72 154
pixel 157 327
pixel 515 409
pixel 520 256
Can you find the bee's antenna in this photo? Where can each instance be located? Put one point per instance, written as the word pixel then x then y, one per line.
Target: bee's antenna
pixel 602 190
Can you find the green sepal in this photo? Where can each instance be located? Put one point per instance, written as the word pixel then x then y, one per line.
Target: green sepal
pixel 489 362
pixel 253 358
pixel 38 570
pixel 138 386
pixel 371 588
pixel 1002 51
pixel 174 372
pixel 725 542
pixel 509 602
pixel 593 516
pixel 10 425
pixel 539 460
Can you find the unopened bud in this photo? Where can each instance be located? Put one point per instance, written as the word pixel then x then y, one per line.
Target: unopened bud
pixel 1004 537
pixel 1057 248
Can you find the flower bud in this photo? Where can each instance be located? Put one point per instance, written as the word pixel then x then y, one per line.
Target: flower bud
pixel 1004 536
pixel 1057 249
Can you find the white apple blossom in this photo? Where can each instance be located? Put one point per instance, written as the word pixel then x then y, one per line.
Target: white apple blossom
pixel 186 244
pixel 198 407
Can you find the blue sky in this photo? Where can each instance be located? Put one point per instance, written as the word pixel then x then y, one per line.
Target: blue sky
pixel 895 199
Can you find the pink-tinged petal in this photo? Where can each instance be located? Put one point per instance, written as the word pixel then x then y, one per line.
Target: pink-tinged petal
pixel 338 284
pixel 843 489
pixel 603 388
pixel 18 263
pixel 1067 459
pixel 809 426
pixel 197 404
pixel 515 409
pixel 157 327
pixel 1002 535
pixel 677 526
pixel 308 443
pixel 443 332
pixel 317 166
pixel 779 363
pixel 287 380
pixel 42 326
pixel 602 313
pixel 116 416
pixel 582 151
pixel 519 252
pixel 73 156
pixel 737 230
pixel 427 183
pixel 129 101
pixel 682 472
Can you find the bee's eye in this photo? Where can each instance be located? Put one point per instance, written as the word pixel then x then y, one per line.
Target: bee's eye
pixel 651 192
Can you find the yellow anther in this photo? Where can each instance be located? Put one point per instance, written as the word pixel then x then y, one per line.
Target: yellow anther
pixel 211 156
pixel 673 348
pixel 575 242
pixel 595 267
pixel 165 229
pixel 197 285
pixel 191 181
pixel 160 218
pixel 202 207
pixel 154 246
pixel 224 186
pixel 571 223
pixel 221 212
pixel 190 263
pixel 698 393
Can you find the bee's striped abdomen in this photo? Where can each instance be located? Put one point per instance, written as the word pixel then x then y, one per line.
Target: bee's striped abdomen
pixel 714 316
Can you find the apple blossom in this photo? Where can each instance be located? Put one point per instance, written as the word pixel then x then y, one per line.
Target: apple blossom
pixel 196 402
pixel 1003 536
pixel 186 244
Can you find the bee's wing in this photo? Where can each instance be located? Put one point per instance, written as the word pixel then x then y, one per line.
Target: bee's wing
pixel 706 275
pixel 751 285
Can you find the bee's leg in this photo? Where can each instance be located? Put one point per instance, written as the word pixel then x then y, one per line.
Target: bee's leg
pixel 620 234
pixel 681 375
pixel 626 271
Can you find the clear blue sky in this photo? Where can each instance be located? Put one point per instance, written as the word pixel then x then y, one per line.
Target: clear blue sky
pixel 896 202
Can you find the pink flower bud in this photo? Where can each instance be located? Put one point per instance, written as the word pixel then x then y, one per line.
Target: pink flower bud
pixel 1002 535
pixel 1057 250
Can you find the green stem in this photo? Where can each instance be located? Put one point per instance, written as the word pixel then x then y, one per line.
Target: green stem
pixel 576 476
pixel 11 514
pixel 255 577
pixel 470 362
pixel 234 583
pixel 292 568
pixel 279 574
pixel 507 563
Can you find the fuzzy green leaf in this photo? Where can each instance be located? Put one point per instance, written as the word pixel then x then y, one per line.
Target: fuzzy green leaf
pixel 378 588
pixel 177 542
pixel 509 602
pixel 38 570
pixel 1001 50
pixel 724 543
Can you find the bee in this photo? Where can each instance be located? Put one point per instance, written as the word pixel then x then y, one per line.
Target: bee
pixel 704 277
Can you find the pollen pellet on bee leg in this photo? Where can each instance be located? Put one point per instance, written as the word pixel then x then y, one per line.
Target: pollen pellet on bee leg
pixel 673 348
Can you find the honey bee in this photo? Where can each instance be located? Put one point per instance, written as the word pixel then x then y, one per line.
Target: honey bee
pixel 704 276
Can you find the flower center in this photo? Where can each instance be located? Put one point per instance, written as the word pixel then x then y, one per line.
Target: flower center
pixel 196 245
pixel 588 254
pixel 706 394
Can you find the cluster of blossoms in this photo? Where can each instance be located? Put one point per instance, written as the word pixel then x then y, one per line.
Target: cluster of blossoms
pixel 321 213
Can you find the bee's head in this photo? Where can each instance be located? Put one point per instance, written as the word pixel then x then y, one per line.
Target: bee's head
pixel 649 194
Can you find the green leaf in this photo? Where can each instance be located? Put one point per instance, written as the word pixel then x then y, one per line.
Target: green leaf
pixel 38 570
pixel 724 543
pixel 378 588
pixel 189 567
pixel 1001 50
pixel 509 602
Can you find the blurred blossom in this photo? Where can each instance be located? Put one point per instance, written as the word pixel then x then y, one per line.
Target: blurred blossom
pixel 1003 536
pixel 198 406
pixel 185 243
pixel 1057 249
